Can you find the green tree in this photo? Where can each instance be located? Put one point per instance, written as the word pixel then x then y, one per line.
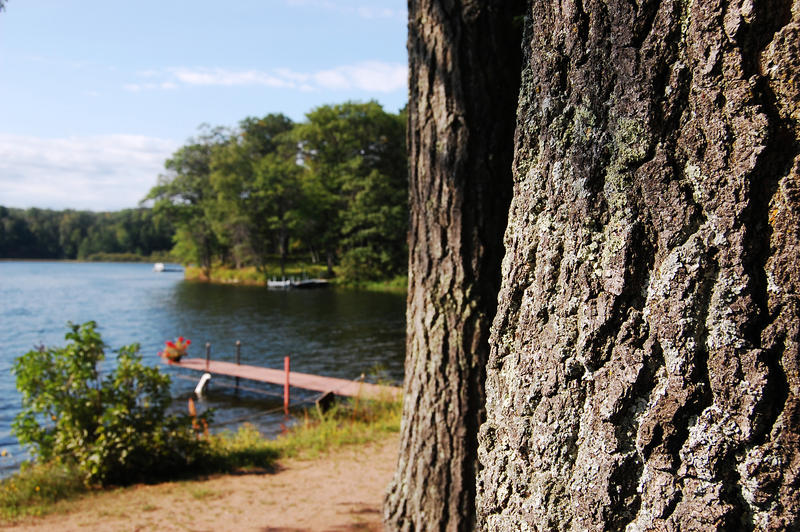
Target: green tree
pixel 47 234
pixel 376 221
pixel 355 153
pixel 72 229
pixel 185 196
pixel 231 179
pixel 16 240
pixel 335 185
pixel 43 226
pixel 113 425
pixel 277 198
pixel 246 187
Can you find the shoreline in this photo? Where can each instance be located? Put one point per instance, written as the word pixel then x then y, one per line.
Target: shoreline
pixel 249 277
pixel 244 277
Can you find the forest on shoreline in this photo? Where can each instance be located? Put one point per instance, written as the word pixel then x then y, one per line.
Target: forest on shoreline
pixel 331 190
pixel 83 235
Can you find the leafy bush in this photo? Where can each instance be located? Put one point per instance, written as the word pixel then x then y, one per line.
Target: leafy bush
pixel 114 427
pixel 366 264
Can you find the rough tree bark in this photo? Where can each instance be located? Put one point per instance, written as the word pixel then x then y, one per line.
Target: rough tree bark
pixel 465 62
pixel 644 371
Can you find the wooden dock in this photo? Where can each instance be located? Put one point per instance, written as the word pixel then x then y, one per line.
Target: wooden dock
pixel 306 381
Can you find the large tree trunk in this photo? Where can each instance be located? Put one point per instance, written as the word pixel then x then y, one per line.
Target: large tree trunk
pixel 644 366
pixel 465 64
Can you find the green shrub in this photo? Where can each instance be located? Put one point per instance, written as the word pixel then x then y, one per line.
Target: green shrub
pixel 366 264
pixel 113 428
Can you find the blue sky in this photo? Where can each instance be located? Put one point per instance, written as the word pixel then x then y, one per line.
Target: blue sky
pixel 96 94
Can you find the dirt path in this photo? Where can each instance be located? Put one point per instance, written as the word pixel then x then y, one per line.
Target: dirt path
pixel 339 491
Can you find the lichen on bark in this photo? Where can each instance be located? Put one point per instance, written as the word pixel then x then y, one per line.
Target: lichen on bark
pixel 644 371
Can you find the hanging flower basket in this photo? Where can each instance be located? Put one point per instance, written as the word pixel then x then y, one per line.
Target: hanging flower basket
pixel 176 350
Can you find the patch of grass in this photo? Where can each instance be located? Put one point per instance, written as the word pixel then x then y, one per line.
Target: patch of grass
pixel 250 275
pixel 350 422
pixel 38 489
pixel 347 423
pixel 298 269
pixel 245 449
pixel 396 285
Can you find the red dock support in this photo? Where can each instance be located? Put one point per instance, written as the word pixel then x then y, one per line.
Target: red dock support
pixel 286 386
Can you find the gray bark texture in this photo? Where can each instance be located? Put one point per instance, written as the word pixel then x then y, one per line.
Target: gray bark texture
pixel 645 370
pixel 465 62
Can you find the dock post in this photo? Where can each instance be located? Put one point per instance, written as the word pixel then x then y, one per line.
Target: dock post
pixel 286 386
pixel 208 354
pixel 238 359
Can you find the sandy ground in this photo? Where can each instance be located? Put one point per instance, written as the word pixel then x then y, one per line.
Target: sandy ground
pixel 336 492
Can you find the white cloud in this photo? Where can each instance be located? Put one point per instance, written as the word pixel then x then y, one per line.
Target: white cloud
pixel 371 76
pixel 138 87
pixel 228 78
pixel 376 12
pixel 363 10
pixel 98 173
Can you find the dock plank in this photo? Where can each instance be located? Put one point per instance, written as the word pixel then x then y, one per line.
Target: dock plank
pixel 307 381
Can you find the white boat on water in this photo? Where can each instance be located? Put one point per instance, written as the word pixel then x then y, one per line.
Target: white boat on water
pixel 158 267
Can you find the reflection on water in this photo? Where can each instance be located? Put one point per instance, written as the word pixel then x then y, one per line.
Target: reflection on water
pixel 327 332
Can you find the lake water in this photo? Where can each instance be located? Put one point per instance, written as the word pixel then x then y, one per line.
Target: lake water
pixel 327 332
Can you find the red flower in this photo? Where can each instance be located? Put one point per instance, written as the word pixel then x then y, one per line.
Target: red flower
pixel 174 350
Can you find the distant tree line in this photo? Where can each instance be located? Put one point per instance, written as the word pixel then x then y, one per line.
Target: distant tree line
pixel 48 234
pixel 333 188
